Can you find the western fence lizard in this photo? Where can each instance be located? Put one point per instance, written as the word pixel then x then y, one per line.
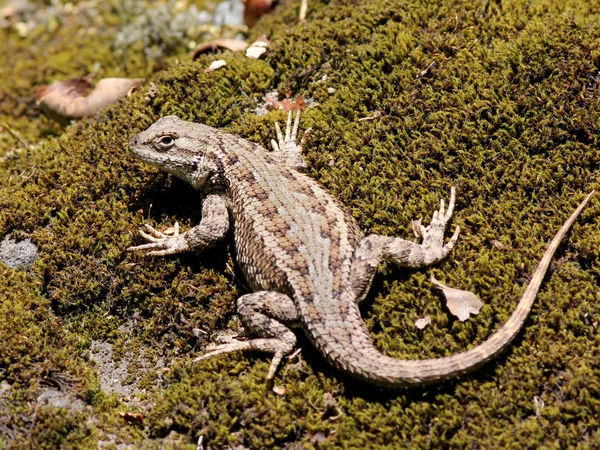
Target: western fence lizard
pixel 302 253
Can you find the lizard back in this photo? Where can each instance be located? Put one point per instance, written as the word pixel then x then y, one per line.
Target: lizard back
pixel 291 235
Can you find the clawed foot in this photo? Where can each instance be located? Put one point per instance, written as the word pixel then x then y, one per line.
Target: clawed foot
pixel 433 235
pixel 274 346
pixel 160 243
pixel 287 144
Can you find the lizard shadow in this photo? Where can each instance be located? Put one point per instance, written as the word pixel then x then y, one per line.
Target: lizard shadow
pixel 156 200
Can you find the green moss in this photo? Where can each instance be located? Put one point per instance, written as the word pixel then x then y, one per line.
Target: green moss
pixel 38 354
pixel 499 99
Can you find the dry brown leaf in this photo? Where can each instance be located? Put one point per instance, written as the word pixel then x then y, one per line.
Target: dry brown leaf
pixel 287 104
pixel 317 438
pixel 258 47
pixel 137 418
pixel 423 322
pixel 376 115
pixel 215 65
pixel 234 45
pixel 74 98
pixel 499 245
pixel 539 405
pixel 332 411
pixel 460 303
pixel 13 8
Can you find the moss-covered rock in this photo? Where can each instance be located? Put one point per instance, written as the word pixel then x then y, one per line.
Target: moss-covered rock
pixel 500 99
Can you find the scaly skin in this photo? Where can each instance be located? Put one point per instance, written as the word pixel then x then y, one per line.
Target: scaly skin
pixel 302 253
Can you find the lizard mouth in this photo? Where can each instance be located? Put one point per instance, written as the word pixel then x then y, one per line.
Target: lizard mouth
pixel 134 141
pixel 136 150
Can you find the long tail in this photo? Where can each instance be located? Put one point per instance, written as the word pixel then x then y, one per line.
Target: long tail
pixel 350 348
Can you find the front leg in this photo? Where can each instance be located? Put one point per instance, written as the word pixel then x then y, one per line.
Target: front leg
pixel 373 248
pixel 212 229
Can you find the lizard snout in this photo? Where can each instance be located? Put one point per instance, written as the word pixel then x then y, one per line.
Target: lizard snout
pixel 134 141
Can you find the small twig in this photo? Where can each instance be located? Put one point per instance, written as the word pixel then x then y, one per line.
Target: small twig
pixel 15 135
pixel 303 8
pixel 376 115
pixel 424 72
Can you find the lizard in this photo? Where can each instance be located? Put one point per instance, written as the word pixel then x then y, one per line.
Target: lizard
pixel 305 259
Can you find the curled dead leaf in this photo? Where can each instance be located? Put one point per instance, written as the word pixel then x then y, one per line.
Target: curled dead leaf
pixel 74 98
pixel 234 45
pixel 254 9
pixel 215 65
pixel 423 322
pixel 460 303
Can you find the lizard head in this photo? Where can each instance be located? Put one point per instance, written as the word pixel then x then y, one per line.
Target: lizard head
pixel 175 146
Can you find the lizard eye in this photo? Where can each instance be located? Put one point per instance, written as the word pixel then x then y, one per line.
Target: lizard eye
pixel 165 142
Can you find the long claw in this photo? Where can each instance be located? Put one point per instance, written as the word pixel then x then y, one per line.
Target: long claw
pixel 451 203
pixel 279 135
pixel 277 357
pixel 288 126
pixel 149 237
pixel 296 125
pixel 145 247
pixel 287 145
pixel 160 243
pixel 433 234
pixel 454 237
pixel 230 347
pixel 303 140
pixel 153 231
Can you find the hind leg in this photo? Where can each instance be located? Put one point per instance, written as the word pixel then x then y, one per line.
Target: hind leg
pixel 373 248
pixel 264 313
